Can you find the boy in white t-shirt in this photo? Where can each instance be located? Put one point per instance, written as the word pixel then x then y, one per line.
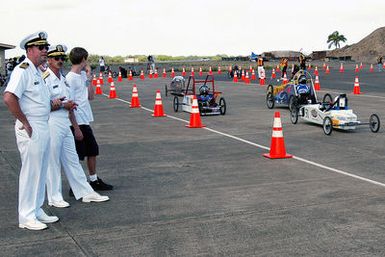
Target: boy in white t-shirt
pixel 81 92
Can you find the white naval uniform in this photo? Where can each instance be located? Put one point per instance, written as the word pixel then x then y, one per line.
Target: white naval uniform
pixel 27 84
pixel 63 151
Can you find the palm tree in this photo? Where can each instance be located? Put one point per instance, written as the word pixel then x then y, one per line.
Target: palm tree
pixel 335 38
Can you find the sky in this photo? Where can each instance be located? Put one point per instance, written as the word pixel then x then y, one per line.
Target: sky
pixel 189 27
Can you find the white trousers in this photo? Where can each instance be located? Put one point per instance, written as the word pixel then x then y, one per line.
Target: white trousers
pixel 63 154
pixel 34 160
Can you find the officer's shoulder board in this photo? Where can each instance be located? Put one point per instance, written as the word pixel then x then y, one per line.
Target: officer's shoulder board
pixel 45 75
pixel 24 65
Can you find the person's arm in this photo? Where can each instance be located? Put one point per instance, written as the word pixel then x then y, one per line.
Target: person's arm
pixel 12 102
pixel 78 133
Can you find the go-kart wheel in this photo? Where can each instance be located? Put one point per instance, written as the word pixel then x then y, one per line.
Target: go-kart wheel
pixel 222 106
pixel 294 115
pixel 327 126
pixel 176 104
pixel 270 89
pixel 270 100
pixel 374 123
pixel 293 102
pixel 327 98
pixel 165 90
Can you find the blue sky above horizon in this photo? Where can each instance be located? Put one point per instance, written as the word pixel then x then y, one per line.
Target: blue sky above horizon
pixel 189 27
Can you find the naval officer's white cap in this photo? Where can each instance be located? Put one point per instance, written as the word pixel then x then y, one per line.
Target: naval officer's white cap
pixel 57 50
pixel 36 39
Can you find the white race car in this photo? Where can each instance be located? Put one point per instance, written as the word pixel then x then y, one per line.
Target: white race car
pixel 332 114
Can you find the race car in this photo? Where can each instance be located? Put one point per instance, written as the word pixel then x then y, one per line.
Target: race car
pixel 298 91
pixel 210 101
pixel 333 114
pixel 176 87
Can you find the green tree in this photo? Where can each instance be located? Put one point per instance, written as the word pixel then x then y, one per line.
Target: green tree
pixel 335 38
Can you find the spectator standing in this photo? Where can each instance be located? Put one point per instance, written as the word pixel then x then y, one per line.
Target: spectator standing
pixel 62 147
pixel 27 98
pixel 81 92
pixel 102 64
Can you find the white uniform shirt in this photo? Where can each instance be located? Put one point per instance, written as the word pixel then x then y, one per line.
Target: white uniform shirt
pixel 79 94
pixel 58 87
pixel 28 85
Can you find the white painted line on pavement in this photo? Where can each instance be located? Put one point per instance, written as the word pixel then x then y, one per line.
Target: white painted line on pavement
pixel 268 148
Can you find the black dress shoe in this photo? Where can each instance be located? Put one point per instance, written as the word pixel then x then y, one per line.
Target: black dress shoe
pixel 99 185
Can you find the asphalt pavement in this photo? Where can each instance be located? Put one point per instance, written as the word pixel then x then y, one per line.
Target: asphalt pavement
pixel 209 191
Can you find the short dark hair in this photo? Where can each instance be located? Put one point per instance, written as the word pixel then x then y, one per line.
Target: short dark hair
pixel 77 54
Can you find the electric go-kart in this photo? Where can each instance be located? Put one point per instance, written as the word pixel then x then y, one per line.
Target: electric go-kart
pixel 176 87
pixel 210 101
pixel 333 114
pixel 298 91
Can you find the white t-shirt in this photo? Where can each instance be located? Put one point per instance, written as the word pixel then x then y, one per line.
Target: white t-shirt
pixel 101 62
pixel 79 94
pixel 28 85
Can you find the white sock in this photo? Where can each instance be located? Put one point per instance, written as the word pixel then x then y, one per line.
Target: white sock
pixel 93 177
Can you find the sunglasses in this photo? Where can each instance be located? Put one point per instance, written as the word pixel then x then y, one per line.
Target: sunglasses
pixel 62 58
pixel 42 47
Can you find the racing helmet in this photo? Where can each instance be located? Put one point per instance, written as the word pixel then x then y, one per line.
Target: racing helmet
pixel 302 80
pixel 204 90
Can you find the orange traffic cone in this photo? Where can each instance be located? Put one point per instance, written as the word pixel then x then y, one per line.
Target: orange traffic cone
pixel 250 68
pixel 356 70
pixel 98 88
pixel 158 107
pixel 192 71
pixel 327 71
pixel 235 78
pixel 195 118
pixel 172 73
pixel 110 79
pixel 164 74
pixel 150 75
pixel 112 91
pixel 277 148
pixel 247 79
pixel 94 82
pixel 200 71
pixel 219 70
pixel 156 74
pixel 135 103
pixel 120 77
pixel 141 75
pixel 309 67
pixel 262 81
pixel 210 71
pixel 324 66
pixel 317 85
pixel 316 71
pixel 371 68
pixel 253 77
pixel 356 89
pixel 183 72
pixel 342 70
pixel 277 68
pixel 101 78
pixel 243 75
pixel 361 66
pixel 273 76
pixel 285 79
pixel 130 76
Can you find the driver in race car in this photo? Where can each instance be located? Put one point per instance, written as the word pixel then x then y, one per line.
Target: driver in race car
pixel 204 94
pixel 302 87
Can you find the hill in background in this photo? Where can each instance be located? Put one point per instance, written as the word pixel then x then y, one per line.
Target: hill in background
pixel 366 50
